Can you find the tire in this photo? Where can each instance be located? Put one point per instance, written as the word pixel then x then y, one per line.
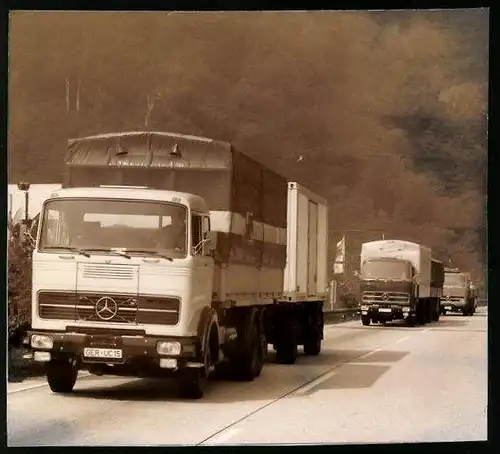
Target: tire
pixel 312 345
pixel 61 376
pixel 192 385
pixel 428 312
pixel 286 352
pixel 247 361
pixel 365 319
pixel 252 360
pixel 411 320
pixel 312 341
pixel 286 344
pixel 420 315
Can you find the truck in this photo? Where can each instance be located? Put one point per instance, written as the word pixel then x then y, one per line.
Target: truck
pixel 459 294
pixel 175 256
pixel 399 280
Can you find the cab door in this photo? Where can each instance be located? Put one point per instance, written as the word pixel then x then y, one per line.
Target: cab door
pixel 203 263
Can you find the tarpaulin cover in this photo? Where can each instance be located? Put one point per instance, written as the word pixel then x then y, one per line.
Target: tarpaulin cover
pixel 227 179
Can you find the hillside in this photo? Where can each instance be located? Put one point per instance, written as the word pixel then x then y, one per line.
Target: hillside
pixel 387 110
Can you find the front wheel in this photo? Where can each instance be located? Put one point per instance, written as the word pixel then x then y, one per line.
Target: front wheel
pixel 62 375
pixel 365 319
pixel 192 384
pixel 411 320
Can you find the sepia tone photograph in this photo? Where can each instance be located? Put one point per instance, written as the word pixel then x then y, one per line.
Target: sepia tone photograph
pixel 247 228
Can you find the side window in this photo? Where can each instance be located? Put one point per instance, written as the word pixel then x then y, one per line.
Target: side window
pixel 196 233
pixel 206 230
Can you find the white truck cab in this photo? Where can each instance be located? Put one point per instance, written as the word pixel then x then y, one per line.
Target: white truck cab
pixel 148 250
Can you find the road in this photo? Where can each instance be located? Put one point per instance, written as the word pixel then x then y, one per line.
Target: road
pixel 371 384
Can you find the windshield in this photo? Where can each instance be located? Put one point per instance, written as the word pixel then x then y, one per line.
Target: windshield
pixel 454 279
pixel 108 224
pixel 385 269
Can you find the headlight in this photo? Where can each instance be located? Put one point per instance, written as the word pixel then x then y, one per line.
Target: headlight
pixel 168 348
pixel 41 341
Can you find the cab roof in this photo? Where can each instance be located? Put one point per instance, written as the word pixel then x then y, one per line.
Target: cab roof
pixel 132 193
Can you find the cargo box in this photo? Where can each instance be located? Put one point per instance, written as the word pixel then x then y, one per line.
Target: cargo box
pixel 419 256
pixel 306 275
pixel 248 201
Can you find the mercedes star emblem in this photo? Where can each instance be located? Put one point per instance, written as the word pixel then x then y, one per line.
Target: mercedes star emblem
pixel 106 308
pixel 447 297
pixel 385 296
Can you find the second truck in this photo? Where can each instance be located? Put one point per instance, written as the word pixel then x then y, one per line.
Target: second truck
pixel 399 281
pixel 192 262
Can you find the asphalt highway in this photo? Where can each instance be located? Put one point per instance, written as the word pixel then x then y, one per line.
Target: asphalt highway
pixel 374 384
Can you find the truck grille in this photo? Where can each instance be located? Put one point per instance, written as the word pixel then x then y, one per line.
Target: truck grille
pixel 108 308
pixel 453 299
pixel 386 297
pixel 96 271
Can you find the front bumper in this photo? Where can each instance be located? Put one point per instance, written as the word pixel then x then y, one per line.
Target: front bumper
pixel 126 355
pixel 453 306
pixel 386 312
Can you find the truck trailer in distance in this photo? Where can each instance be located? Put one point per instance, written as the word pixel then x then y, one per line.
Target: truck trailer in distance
pixel 191 260
pixel 399 281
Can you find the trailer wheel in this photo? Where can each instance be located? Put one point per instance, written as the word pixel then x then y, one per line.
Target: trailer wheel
pixel 286 344
pixel 365 319
pixel 62 375
pixel 286 351
pixel 313 331
pixel 312 342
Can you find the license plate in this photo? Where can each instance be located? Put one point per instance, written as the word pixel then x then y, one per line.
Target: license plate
pixel 384 309
pixel 448 308
pixel 106 353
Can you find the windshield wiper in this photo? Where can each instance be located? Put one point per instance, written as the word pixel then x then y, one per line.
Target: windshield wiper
pixel 147 251
pixel 69 248
pixel 107 249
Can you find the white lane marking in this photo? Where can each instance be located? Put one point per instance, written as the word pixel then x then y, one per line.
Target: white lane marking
pixel 41 385
pixel 315 383
pixel 402 339
pixel 27 388
pixel 223 436
pixel 367 354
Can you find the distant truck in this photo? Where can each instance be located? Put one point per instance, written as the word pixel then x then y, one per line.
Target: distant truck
pixel 197 275
pixel 399 281
pixel 459 294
